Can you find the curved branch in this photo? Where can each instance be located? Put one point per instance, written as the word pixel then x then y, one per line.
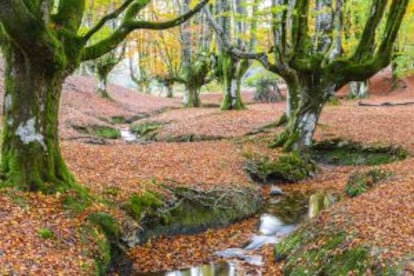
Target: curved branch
pixel 17 21
pixel 129 25
pixel 105 19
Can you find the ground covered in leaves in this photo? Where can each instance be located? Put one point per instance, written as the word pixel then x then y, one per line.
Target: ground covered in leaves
pixel 41 236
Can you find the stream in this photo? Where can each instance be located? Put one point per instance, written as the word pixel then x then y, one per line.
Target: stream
pixel 280 216
pixel 127 135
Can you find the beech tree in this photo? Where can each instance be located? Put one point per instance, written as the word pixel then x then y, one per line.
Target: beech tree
pixel 42 45
pixel 231 66
pixel 307 55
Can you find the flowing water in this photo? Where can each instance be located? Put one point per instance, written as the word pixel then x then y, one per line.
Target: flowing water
pixel 280 217
pixel 127 135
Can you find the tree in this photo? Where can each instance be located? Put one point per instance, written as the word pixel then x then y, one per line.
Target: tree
pixel 195 59
pixel 232 68
pixel 306 49
pixel 42 46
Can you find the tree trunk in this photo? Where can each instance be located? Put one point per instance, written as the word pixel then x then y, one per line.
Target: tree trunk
pixel 233 71
pixel 302 122
pixel 192 97
pixel 292 99
pixel 358 89
pixel 31 157
pixel 170 91
pixel 102 88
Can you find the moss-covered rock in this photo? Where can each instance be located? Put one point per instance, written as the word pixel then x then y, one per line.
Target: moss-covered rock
pixel 187 211
pixel 359 182
pixel 291 167
pixel 104 132
pixel 343 152
pixel 147 130
pixel 104 232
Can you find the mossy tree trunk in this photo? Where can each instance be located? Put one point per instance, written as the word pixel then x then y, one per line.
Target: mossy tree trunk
pixel 192 97
pixel 358 89
pixel 233 71
pixel 302 122
pixel 314 54
pixel 102 88
pixel 42 46
pixel 31 157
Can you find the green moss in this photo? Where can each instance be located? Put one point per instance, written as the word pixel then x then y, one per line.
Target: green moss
pixel 147 130
pixel 103 230
pixel 77 200
pixel 188 211
pixel 101 131
pixel 45 233
pixel 116 120
pixel 145 204
pixel 287 245
pixel 313 253
pixel 342 152
pixel 360 182
pixel 106 132
pixel 107 224
pixel 290 167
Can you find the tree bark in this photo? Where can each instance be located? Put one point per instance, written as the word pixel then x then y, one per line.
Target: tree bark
pixel 192 97
pixel 31 157
pixel 302 122
pixel 233 71
pixel 358 89
pixel 102 88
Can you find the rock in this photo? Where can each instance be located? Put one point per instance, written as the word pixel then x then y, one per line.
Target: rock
pixel 320 201
pixel 276 191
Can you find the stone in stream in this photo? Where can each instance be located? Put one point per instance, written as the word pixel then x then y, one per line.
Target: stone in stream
pixel 276 191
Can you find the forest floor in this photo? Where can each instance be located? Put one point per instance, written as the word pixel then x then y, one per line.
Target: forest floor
pixel 40 236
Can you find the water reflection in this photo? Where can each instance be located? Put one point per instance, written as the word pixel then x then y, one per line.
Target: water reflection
pixel 219 269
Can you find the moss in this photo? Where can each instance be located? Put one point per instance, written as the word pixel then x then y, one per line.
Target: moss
pixel 147 130
pixel 287 245
pixel 342 152
pixel 334 101
pixel 100 131
pixel 315 253
pixel 103 230
pixel 101 251
pixel 144 204
pixel 77 200
pixel 360 182
pixel 188 211
pixel 106 132
pixel 45 233
pixel 290 167
pixel 107 224
pixel 116 120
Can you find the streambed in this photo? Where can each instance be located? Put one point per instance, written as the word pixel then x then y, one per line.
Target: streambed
pixel 280 216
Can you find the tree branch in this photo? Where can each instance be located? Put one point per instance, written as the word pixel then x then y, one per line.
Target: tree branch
pixel 105 19
pixel 129 25
pixel 225 43
pixel 69 15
